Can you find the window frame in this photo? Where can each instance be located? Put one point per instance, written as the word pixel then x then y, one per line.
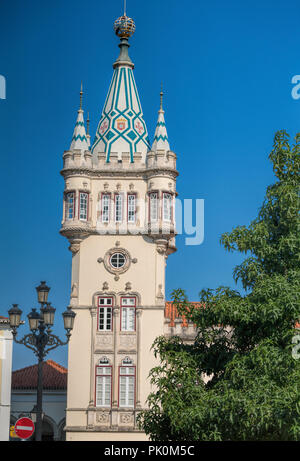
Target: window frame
pixel 111 384
pixel 115 254
pixel 121 196
pixel 157 206
pixel 119 385
pixel 66 205
pixel 105 307
pixel 106 194
pixel 87 205
pixel 164 193
pixel 127 307
pixel 131 194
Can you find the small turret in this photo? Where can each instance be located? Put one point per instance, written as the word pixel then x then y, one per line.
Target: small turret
pixel 161 141
pixel 79 139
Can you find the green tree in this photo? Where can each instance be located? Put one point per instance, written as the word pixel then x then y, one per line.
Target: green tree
pixel 244 342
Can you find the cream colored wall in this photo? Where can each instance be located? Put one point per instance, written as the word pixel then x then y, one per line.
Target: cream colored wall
pixel 142 275
pixel 146 278
pixel 106 437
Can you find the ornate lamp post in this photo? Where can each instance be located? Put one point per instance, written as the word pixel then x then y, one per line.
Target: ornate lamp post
pixel 40 340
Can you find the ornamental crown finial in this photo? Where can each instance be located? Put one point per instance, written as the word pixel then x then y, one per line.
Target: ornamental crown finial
pixel 124 26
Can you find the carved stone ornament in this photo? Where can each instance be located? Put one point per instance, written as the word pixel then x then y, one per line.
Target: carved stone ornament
pixel 107 261
pixel 74 292
pixel 160 293
pixel 105 286
pixel 75 246
pixel 128 286
pixel 126 418
pixel 102 417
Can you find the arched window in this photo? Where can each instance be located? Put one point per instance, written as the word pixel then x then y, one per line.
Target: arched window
pixel 127 384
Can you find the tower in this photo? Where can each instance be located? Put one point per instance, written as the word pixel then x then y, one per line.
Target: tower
pixel 118 216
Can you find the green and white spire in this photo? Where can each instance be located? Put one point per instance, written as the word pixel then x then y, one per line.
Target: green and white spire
pixel 122 128
pixel 79 140
pixel 161 141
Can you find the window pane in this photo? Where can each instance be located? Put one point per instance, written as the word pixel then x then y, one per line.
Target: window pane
pixel 105 208
pixel 167 207
pixel 70 206
pixel 127 390
pixel 131 208
pixel 103 390
pixel 105 314
pixel 153 207
pixel 118 208
pixel 117 260
pixel 83 209
pixel 128 318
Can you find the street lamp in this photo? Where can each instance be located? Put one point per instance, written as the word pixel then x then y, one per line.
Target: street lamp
pixel 41 341
pixel 42 291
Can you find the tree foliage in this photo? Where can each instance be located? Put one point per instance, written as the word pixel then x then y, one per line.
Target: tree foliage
pixel 239 380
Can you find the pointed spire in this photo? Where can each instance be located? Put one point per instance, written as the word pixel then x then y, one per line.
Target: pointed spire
pixel 88 130
pixel 122 128
pixel 79 140
pixel 81 94
pixel 161 141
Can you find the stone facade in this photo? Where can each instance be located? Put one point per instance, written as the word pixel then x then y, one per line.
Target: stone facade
pixel 119 219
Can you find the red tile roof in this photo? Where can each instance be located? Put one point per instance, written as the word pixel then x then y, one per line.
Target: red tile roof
pixel 54 377
pixel 172 313
pixel 4 320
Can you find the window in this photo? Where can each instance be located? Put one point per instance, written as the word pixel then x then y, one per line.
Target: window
pixel 127 386
pixel 105 208
pixel 131 208
pixel 70 205
pixel 83 206
pixel 105 306
pixel 103 386
pixel 153 206
pixel 167 207
pixel 118 208
pixel 118 260
pixel 128 312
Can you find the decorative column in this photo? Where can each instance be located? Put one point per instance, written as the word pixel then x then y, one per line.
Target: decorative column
pixel 114 416
pixel 139 313
pixel 91 408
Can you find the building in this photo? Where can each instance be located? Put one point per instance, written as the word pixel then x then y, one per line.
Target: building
pixel 118 216
pixel 24 395
pixel 6 347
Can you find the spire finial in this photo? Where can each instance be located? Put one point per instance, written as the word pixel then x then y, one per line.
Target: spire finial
pixel 161 97
pixel 88 124
pixel 81 94
pixel 124 7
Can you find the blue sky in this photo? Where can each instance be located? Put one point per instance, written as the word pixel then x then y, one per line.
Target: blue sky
pixel 227 70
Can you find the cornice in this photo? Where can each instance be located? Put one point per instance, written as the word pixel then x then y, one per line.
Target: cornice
pixel 104 173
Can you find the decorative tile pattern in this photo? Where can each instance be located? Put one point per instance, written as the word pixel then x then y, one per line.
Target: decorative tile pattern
pixel 122 127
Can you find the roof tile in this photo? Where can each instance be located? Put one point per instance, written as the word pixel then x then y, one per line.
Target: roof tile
pixel 54 377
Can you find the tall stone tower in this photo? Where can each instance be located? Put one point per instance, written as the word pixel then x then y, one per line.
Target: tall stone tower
pixel 118 216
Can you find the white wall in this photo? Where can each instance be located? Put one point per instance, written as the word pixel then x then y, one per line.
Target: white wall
pixel 6 345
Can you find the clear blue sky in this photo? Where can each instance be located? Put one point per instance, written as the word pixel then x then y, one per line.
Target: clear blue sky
pixel 227 70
